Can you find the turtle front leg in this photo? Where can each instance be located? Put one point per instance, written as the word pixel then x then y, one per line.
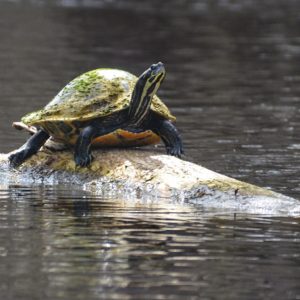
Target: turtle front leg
pixel 83 156
pixel 169 135
pixel 30 148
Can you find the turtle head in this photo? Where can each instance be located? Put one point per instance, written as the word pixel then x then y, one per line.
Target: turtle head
pixel 145 88
pixel 153 77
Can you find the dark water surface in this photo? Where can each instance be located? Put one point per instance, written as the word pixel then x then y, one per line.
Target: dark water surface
pixel 233 81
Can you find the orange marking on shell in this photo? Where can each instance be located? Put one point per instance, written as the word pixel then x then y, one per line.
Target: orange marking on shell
pixel 123 138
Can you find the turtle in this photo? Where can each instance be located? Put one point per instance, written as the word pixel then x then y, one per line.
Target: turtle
pixel 100 108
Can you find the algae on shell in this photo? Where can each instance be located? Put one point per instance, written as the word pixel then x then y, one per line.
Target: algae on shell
pixel 94 94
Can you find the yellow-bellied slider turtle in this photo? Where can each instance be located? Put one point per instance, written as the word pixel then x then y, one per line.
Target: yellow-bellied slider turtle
pixel 104 107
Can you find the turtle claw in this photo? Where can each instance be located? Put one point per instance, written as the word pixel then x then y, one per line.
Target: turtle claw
pixel 176 151
pixel 83 160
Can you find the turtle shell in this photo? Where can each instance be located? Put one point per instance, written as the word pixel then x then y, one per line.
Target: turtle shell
pixel 94 94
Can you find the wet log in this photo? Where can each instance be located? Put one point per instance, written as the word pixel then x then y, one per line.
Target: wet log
pixel 135 172
pixel 138 174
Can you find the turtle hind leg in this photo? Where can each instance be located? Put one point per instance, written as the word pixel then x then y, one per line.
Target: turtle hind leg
pixel 169 135
pixel 30 148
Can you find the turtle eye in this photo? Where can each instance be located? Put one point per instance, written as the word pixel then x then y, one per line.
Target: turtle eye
pixel 147 74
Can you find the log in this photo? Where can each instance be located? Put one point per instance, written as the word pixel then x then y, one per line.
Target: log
pixel 135 172
pixel 141 174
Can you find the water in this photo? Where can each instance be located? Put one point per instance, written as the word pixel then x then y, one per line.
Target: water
pixel 233 82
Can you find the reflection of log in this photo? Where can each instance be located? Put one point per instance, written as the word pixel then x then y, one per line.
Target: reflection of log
pixel 140 170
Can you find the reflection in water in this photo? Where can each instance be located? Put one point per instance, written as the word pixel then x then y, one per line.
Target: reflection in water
pixel 81 247
pixel 233 82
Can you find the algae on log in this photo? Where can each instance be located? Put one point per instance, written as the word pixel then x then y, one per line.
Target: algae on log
pixel 138 170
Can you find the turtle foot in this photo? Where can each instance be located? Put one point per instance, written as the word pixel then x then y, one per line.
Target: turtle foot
pixel 17 158
pixel 83 160
pixel 176 151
